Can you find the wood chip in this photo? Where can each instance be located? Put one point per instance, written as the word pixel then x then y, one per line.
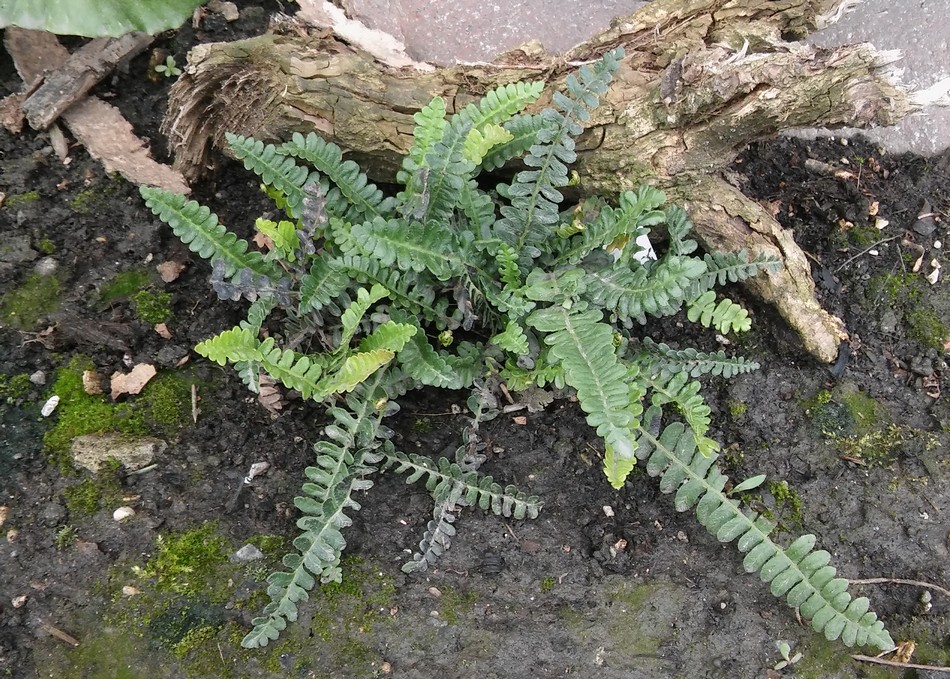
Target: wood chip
pixel 520 420
pixel 91 382
pixel 132 382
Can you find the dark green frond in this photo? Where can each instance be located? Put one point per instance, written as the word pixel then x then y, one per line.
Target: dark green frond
pixel 660 358
pixel 275 170
pixel 798 574
pixel 404 245
pixel 366 199
pixel 404 287
pixel 636 292
pixel 524 134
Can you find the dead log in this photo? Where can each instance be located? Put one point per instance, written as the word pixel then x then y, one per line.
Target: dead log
pixel 700 80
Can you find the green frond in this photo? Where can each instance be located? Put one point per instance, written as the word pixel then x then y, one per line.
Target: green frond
pixel 660 358
pixel 426 365
pixel 584 348
pixel 275 170
pixel 478 207
pixel 414 246
pixel 350 320
pixel 237 344
pixel 726 316
pixel 678 227
pixel 798 574
pixel 430 125
pixel 439 531
pixel 321 286
pixel 199 229
pixel 366 199
pixel 283 234
pixel 529 218
pixel 476 489
pixel 540 375
pixel 508 270
pixel 405 288
pixel 731 267
pixel 635 292
pixel 683 393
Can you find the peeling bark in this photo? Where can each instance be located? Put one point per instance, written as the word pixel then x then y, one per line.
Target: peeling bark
pixel 700 80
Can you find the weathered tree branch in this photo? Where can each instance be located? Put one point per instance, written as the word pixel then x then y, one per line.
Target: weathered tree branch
pixel 701 79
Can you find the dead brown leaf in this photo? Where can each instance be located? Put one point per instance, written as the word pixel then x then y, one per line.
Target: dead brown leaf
pixel 270 396
pixel 163 330
pixel 520 420
pixel 132 382
pixel 170 271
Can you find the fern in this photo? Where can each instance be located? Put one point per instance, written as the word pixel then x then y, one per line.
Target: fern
pixel 409 246
pixel 797 573
pixel 275 170
pixel 726 316
pixel 667 362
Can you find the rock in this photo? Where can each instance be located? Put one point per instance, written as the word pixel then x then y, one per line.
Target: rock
pixel 52 514
pixel 888 321
pixel 92 450
pixel 16 250
pixel 46 266
pixel 922 365
pixel 38 378
pixel 247 553
pixel 123 513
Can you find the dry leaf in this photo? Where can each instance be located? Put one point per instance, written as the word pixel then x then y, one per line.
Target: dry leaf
pixel 169 271
pixel 133 382
pixel 873 208
pixel 521 419
pixel 163 330
pixel 269 395
pixel 262 241
pixel 91 382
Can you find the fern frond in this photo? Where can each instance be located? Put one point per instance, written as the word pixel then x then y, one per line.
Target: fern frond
pixel 528 220
pixel 479 142
pixel 796 573
pixel 512 339
pixel 635 292
pixel 731 267
pixel 678 227
pixel 584 347
pixel 405 288
pixel 682 392
pixel 430 125
pixel 366 199
pixel 476 489
pixel 275 170
pixel 350 320
pixel 356 368
pixel 660 358
pixel 508 270
pixel 478 207
pixel 389 335
pixel 524 130
pixel 439 531
pixel 321 286
pixel 426 365
pixel 726 316
pixel 541 375
pixel 414 246
pixel 200 230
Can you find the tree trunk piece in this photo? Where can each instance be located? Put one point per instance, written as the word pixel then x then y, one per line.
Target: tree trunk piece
pixel 700 80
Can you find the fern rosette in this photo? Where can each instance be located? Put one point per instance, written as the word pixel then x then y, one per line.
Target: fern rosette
pixel 456 284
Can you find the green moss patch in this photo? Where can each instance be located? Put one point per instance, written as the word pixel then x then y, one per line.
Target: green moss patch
pixel 152 307
pixel 38 297
pixel 89 495
pixel 19 199
pixel 186 563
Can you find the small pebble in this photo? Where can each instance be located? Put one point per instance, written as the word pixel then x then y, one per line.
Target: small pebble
pixel 248 553
pixel 49 406
pixel 19 601
pixel 123 513
pixel 46 266
pixel 38 378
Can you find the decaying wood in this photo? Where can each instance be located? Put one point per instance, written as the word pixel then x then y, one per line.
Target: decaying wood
pixel 99 126
pixel 84 68
pixel 700 80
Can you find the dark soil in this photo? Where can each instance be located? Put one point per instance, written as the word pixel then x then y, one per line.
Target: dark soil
pixel 603 583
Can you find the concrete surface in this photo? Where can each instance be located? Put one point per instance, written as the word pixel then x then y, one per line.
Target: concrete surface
pixel 446 31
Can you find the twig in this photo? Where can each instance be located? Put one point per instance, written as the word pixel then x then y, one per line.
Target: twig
pixel 894 663
pixel 60 634
pixel 901 581
pixel 865 251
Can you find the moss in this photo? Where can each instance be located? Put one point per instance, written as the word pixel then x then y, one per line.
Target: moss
pixel 80 413
pixel 23 307
pixel 14 387
pixel 19 199
pixel 165 403
pixel 124 285
pixel 737 409
pixel 65 537
pixel 186 562
pixel 453 604
pixel 788 505
pixel 89 495
pixel 925 326
pixel 152 307
pixel 846 411
pixel 193 639
pixel 46 246
pixel 547 584
pixel 273 546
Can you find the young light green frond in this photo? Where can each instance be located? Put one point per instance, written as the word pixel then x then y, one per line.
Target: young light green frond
pixel 660 358
pixel 430 124
pixel 726 316
pixel 512 339
pixel 584 348
pixel 479 142
pixel 405 245
pixel 682 392
pixel 633 293
pixel 237 344
pixel 367 200
pixel 678 227
pixel 283 235
pixel 508 270
pixel 389 335
pixel 293 370
pixel 200 230
pixel 541 375
pixel 321 286
pixel 796 573
pixel 355 370
pixel 275 170
pixel 524 134
pixel 350 320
